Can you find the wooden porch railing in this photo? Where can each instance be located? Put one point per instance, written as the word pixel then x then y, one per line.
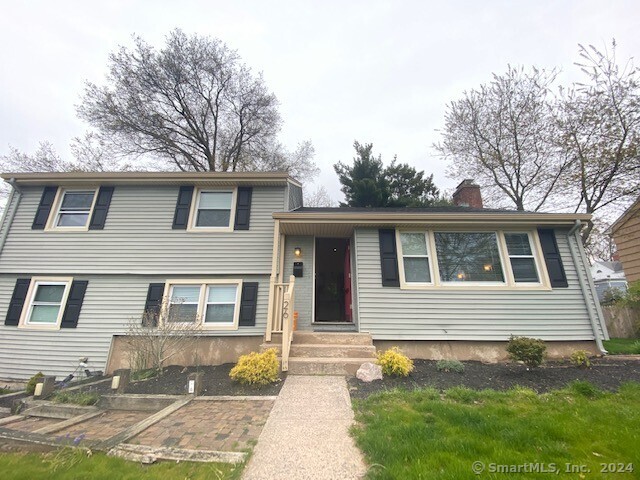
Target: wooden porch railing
pixel 280 318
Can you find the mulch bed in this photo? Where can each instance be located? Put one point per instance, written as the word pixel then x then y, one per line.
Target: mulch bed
pixel 173 381
pixel 606 373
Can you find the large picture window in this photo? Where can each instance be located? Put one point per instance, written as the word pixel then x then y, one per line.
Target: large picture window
pixel 468 257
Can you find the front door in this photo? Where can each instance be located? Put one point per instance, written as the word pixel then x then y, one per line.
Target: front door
pixel 333 280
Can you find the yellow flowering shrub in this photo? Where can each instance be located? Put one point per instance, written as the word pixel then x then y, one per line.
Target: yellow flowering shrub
pixel 256 368
pixel 394 362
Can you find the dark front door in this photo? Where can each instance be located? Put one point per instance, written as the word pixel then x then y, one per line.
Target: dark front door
pixel 333 280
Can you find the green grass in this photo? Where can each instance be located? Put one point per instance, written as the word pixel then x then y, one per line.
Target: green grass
pixel 68 464
pixel 4 391
pixel 76 398
pixel 426 434
pixel 622 346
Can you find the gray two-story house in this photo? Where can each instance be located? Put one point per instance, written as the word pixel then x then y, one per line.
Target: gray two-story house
pixel 82 255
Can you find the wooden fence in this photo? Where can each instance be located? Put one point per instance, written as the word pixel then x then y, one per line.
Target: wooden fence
pixel 622 322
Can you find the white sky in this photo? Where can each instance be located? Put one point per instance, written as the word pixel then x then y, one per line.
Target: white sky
pixel 375 71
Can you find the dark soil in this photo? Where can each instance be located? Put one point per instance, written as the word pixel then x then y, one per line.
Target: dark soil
pixel 173 381
pixel 605 373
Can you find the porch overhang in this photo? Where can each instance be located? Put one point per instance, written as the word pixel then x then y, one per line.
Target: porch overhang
pixel 339 224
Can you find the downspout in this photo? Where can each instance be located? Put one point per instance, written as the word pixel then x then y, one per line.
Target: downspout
pixel 7 218
pixel 583 286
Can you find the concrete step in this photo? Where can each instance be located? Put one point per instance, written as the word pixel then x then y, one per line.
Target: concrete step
pixel 325 350
pixel 332 338
pixel 325 366
pixel 333 327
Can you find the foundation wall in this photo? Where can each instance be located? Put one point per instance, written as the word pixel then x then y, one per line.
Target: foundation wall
pixel 488 352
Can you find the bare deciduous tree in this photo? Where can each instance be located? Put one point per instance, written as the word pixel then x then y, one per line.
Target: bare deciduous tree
pixel 192 103
pixel 599 127
pixel 319 198
pixel 502 135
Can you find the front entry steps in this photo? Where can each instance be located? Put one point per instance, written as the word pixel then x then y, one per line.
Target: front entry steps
pixel 316 353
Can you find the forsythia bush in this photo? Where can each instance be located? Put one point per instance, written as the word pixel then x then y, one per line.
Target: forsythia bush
pixel 530 351
pixel 256 368
pixel 394 362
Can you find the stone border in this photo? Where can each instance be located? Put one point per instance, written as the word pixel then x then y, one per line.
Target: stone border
pixel 146 454
pixel 239 398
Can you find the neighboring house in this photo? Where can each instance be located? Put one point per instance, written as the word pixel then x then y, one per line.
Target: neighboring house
pixel 607 276
pixel 626 234
pixel 83 254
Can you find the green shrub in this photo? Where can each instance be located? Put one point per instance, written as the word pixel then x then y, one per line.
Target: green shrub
pixel 635 347
pixel 580 358
pixel 450 366
pixel 31 384
pixel 256 368
pixel 530 351
pixel 394 362
pixel 76 398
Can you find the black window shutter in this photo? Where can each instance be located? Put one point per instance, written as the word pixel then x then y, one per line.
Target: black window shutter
pixel 17 301
pixel 248 304
pixel 552 258
pixel 74 304
pixel 153 305
pixel 389 258
pixel 243 208
pixel 183 206
pixel 101 208
pixel 44 208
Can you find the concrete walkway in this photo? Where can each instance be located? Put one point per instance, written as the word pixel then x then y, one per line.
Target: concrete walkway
pixel 307 434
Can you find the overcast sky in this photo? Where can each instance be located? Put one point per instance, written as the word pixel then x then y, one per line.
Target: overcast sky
pixel 375 71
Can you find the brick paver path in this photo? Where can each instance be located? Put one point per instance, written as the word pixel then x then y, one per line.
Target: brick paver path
pixel 231 425
pixel 105 425
pixel 31 424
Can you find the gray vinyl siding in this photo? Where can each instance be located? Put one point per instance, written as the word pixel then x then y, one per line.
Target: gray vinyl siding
pixel 303 290
pixel 394 314
pixel 109 304
pixel 138 239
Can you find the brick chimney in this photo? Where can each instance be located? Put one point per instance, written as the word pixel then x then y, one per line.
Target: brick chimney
pixel 468 194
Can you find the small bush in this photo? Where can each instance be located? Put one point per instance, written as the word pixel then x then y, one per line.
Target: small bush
pixel 31 384
pixel 256 368
pixel 76 398
pixel 580 358
pixel 394 362
pixel 450 366
pixel 530 351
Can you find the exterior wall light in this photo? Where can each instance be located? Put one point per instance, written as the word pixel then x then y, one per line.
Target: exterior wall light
pixel 297 251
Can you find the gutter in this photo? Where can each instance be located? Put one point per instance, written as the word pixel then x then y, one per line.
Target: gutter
pixel 585 291
pixel 7 218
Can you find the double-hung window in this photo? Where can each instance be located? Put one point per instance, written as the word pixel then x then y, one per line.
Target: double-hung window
pixel 469 257
pixel 213 209
pixel 523 262
pixel 74 208
pixel 45 303
pixel 212 304
pixel 415 257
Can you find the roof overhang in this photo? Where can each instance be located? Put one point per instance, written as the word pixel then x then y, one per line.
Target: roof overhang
pixel 155 178
pixel 342 224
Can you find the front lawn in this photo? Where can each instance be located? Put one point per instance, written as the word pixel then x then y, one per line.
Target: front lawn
pixel 67 464
pixel 428 434
pixel 622 346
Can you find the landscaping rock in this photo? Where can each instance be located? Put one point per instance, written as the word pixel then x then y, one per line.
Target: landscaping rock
pixel 368 372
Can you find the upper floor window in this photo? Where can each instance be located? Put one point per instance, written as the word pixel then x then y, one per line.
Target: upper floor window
pixel 213 209
pixel 74 208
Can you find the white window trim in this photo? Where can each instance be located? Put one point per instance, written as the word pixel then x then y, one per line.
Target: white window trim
pixel 52 221
pixel 195 203
pixel 28 302
pixel 202 301
pixel 403 282
pixel 508 284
